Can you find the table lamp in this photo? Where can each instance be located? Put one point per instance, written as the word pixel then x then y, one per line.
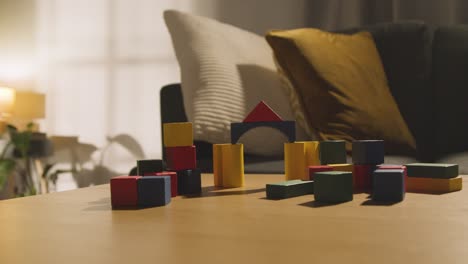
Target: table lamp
pixel 28 107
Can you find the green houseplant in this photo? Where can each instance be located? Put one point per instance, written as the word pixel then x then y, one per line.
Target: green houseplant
pixel 19 140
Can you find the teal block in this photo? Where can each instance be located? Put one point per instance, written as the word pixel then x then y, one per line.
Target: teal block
pixel 288 189
pixel 432 170
pixel 332 152
pixel 333 186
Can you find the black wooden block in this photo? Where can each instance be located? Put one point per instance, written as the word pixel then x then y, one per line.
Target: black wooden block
pixel 189 181
pixel 368 152
pixel 287 189
pixel 388 185
pixel 150 166
pixel 286 127
pixel 432 170
pixel 332 152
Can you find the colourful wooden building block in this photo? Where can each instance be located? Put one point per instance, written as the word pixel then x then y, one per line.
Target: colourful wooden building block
pixel 262 113
pixel 362 175
pixel 154 191
pixel 228 165
pixel 173 176
pixel 342 167
pixel 124 191
pixel 288 128
pixel 369 152
pixel 432 170
pixel 178 134
pixel 395 167
pixel 333 186
pixel 333 152
pixel 317 168
pixel 189 181
pixel 145 167
pixel 297 157
pixel 181 158
pixel 388 185
pixel 294 161
pixel 434 185
pixel 287 189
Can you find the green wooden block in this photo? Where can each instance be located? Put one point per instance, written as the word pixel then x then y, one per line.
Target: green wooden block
pixel 288 189
pixel 432 170
pixel 333 186
pixel 332 152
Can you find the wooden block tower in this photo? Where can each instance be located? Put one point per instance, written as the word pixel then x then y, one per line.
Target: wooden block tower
pixel 181 156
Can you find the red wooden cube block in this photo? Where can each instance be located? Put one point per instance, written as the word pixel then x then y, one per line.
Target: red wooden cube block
pixel 362 175
pixel 124 191
pixel 173 176
pixel 395 167
pixel 318 168
pixel 181 158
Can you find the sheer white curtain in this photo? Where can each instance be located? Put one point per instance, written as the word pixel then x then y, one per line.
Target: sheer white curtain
pixel 103 62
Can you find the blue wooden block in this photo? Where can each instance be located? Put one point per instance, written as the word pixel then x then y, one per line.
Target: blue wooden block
pixel 368 152
pixel 189 181
pixel 333 186
pixel 332 152
pixel 154 191
pixel 388 185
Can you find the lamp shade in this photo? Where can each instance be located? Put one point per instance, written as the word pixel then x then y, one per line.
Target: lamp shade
pixel 29 105
pixel 7 101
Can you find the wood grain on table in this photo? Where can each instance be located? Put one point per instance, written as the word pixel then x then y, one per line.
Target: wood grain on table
pixel 233 226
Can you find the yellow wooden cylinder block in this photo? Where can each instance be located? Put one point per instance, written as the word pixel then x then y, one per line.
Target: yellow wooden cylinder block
pixel 298 156
pixel 228 165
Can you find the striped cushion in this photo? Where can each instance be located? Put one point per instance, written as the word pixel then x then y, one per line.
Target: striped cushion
pixel 225 72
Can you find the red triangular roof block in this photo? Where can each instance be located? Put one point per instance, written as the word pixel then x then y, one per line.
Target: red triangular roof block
pixel 262 113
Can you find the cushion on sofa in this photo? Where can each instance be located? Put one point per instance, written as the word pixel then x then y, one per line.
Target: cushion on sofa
pixel 342 85
pixel 225 72
pixel 450 80
pixel 405 50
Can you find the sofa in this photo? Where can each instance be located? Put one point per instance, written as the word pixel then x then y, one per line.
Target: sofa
pixel 427 72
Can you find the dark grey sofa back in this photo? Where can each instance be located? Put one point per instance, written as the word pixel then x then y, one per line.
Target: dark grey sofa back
pixel 405 50
pixel 450 81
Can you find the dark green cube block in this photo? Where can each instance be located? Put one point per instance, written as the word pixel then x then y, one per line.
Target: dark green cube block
pixel 287 189
pixel 332 152
pixel 333 186
pixel 388 185
pixel 368 152
pixel 432 170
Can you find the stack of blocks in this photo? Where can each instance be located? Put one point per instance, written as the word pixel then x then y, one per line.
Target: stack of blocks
pixel 433 178
pixel 181 156
pixel 333 180
pixel 152 189
pixel 366 154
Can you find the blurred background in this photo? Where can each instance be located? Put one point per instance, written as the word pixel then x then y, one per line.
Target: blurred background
pixel 99 65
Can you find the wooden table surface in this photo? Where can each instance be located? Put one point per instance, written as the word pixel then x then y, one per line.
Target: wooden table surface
pixel 233 226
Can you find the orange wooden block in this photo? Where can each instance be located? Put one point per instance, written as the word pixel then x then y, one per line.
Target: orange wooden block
pixel 434 185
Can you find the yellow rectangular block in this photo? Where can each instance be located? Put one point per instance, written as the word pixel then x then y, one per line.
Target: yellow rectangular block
pixel 228 165
pixel 178 134
pixel 433 185
pixel 342 167
pixel 295 161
